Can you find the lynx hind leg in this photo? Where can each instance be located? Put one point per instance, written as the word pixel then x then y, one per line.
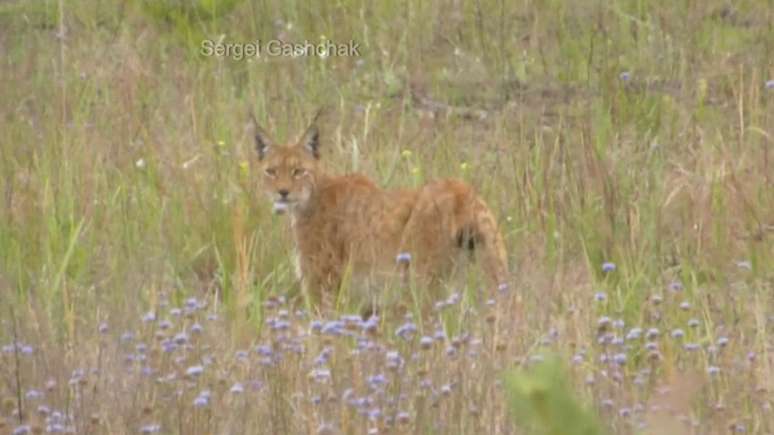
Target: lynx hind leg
pixel 425 245
pixel 492 253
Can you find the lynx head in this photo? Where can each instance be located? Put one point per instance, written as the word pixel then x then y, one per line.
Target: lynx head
pixel 289 171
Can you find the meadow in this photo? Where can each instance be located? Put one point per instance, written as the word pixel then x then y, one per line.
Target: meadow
pixel 625 146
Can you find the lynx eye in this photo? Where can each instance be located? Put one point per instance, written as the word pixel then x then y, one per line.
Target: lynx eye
pixel 299 172
pixel 270 172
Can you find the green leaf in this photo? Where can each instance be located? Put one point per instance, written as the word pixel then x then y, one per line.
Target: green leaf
pixel 542 398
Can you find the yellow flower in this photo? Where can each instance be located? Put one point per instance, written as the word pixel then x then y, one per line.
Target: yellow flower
pixel 464 166
pixel 221 143
pixel 406 154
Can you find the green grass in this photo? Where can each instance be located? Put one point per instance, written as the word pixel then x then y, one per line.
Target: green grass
pixel 128 184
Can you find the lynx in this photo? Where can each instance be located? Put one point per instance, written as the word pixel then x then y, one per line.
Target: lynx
pixel 347 226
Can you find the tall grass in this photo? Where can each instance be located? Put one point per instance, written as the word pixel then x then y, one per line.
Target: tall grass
pixel 625 146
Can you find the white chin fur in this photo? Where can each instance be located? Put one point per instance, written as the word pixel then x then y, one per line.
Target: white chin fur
pixel 280 207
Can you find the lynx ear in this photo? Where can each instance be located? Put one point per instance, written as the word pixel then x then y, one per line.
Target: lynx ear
pixel 262 140
pixel 310 140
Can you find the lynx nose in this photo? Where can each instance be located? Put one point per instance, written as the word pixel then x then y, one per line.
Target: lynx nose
pixel 283 193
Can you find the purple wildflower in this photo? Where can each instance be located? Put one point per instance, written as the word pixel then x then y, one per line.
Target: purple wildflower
pixel 324 356
pixel 403 258
pixel 150 428
pixel 196 328
pixel 691 347
pixel 634 334
pixel 33 394
pixel 180 339
pixel 334 327
pixel 264 350
pixel 320 375
pixel 394 360
pixel 237 388
pixel 377 380
pixel 202 399
pixel 192 303
pixel 194 371
pixel 241 355
pixel 406 331
pixel 315 325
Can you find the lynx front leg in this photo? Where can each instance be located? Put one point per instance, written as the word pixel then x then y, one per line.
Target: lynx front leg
pixel 320 287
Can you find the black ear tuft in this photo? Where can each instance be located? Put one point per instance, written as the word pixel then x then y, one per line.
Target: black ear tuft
pixel 311 141
pixel 261 146
pixel 262 140
pixel 311 138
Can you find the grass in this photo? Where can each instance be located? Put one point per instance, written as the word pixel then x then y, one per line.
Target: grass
pixel 632 132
